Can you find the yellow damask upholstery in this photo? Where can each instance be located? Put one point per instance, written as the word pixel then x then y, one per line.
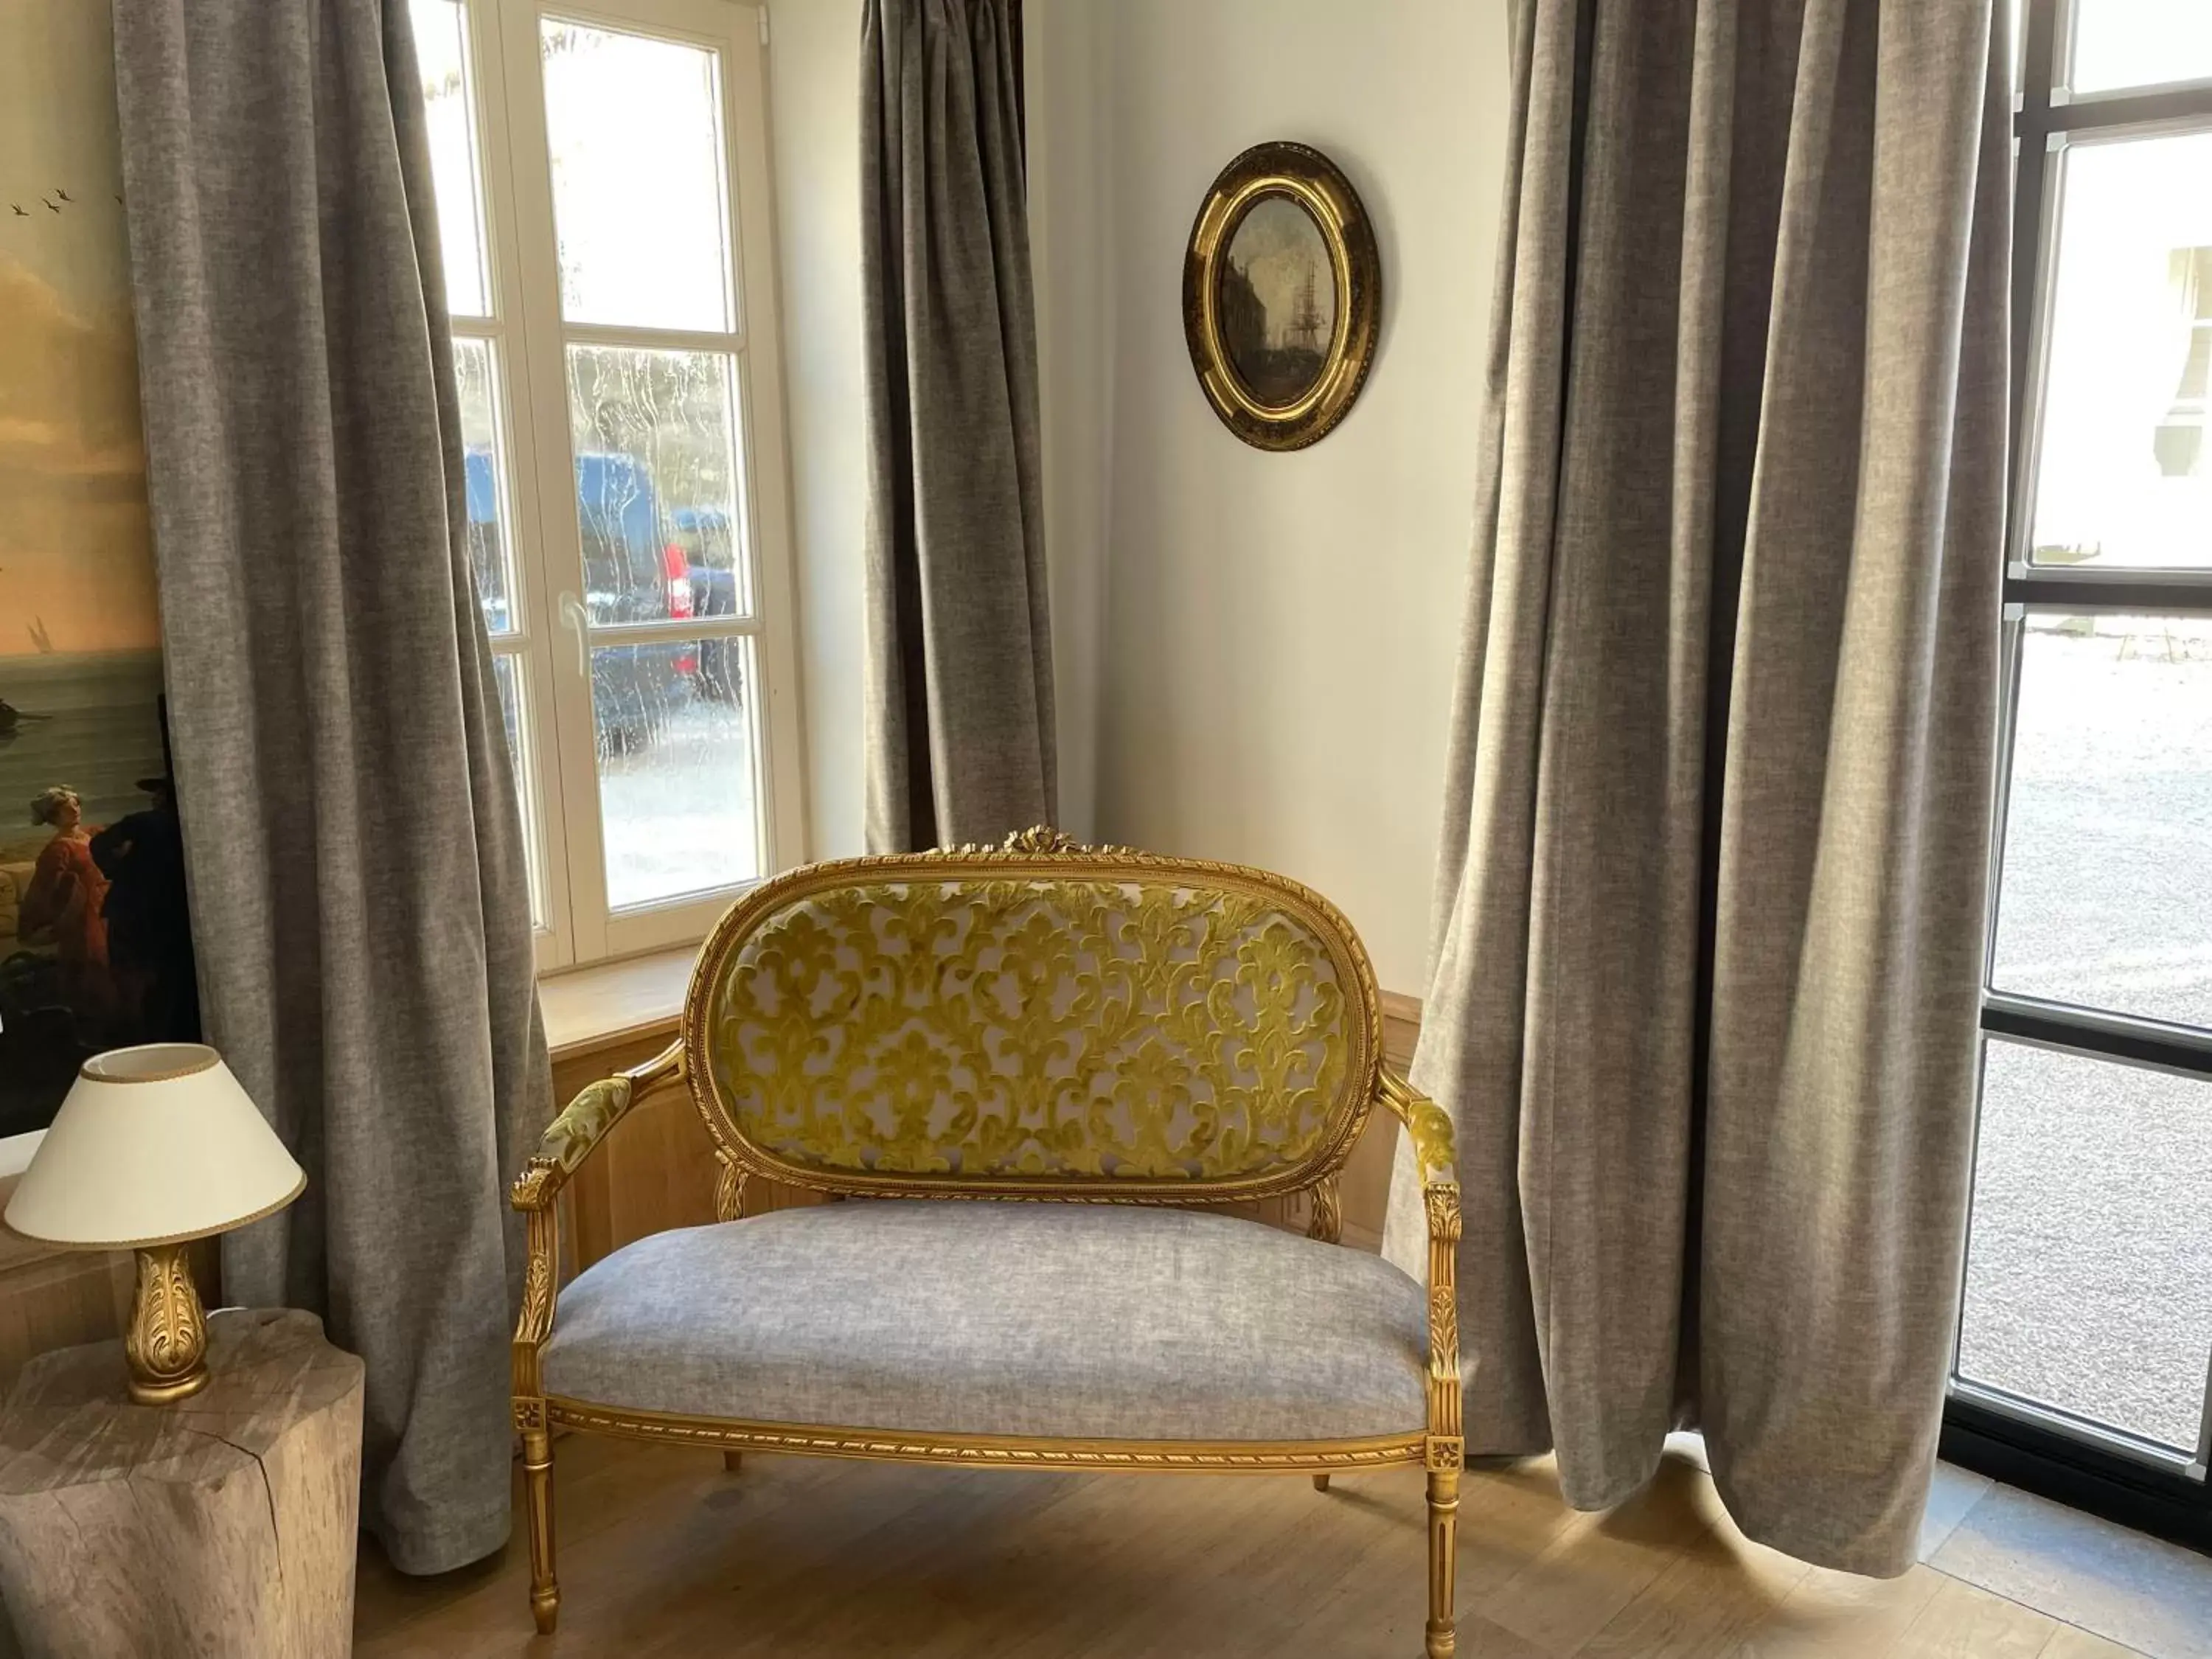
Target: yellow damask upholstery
pixel 1035 1021
pixel 1033 1029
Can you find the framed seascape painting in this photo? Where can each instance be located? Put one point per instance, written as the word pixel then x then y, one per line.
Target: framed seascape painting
pixel 95 943
pixel 1282 295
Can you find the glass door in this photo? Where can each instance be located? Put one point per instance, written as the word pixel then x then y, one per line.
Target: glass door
pixel 2084 1360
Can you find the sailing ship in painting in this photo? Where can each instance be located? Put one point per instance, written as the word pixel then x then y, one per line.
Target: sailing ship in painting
pixel 1277 303
pixel 1306 329
pixel 10 716
pixel 95 948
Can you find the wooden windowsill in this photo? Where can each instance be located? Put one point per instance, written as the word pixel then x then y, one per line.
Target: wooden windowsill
pixel 611 1002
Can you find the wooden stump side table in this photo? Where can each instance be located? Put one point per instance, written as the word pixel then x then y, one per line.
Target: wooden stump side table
pixel 221 1525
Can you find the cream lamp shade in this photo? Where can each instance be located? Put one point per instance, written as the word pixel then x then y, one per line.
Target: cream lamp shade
pixel 154 1145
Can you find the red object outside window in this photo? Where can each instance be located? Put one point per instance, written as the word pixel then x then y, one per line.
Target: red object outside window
pixel 677 568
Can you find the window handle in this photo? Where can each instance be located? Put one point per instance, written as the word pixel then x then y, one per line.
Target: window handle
pixel 572 613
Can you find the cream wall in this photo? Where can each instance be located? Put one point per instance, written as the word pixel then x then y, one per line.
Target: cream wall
pixel 814 78
pixel 1256 651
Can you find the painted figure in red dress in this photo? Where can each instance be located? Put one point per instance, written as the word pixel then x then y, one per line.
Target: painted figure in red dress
pixel 62 907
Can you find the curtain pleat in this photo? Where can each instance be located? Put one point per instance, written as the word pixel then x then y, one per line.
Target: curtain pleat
pixel 354 855
pixel 959 696
pixel 1709 901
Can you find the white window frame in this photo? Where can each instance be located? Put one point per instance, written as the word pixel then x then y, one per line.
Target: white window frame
pixel 549 645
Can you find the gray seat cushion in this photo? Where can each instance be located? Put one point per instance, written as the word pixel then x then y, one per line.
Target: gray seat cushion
pixel 977 1318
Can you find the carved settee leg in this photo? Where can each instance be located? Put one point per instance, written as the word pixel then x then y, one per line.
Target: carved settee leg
pixel 1321 1483
pixel 1444 1561
pixel 538 1492
pixel 732 1459
pixel 568 1140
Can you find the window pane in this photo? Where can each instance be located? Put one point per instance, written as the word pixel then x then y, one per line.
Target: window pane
pixel 441 54
pixel 2107 898
pixel 2089 1270
pixel 2122 478
pixel 511 716
pixel 484 469
pixel 657 480
pixel 677 777
pixel 2139 43
pixel 635 128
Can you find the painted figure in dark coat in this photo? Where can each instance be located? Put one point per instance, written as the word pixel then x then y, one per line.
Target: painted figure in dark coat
pixel 150 934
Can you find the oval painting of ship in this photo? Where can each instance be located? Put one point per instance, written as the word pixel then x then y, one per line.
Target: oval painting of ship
pixel 1282 291
pixel 1277 302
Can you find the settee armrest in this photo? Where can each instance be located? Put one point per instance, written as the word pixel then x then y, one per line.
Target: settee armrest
pixel 566 1142
pixel 570 1138
pixel 1428 1126
pixel 1430 1129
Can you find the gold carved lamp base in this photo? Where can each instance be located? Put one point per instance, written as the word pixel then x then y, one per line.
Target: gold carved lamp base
pixel 166 1343
pixel 155 1147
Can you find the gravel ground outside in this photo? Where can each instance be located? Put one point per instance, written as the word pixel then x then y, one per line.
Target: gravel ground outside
pixel 678 810
pixel 2089 1267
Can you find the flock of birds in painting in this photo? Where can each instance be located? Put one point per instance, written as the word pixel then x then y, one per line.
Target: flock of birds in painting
pixel 60 199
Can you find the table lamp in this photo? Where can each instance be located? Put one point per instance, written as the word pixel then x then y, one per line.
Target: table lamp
pixel 154 1147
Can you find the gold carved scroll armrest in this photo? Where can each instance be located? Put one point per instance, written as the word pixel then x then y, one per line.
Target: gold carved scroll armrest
pixel 566 1142
pixel 571 1136
pixel 1429 1128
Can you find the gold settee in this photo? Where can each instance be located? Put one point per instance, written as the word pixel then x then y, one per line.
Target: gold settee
pixel 1138 1040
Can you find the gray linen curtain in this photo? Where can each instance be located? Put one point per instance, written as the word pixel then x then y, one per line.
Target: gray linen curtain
pixel 355 857
pixel 959 687
pixel 1709 900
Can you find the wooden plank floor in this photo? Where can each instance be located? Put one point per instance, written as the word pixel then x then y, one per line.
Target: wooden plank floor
pixel 663 1553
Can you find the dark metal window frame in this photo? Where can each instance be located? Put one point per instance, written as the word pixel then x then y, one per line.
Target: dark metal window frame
pixel 2021 1441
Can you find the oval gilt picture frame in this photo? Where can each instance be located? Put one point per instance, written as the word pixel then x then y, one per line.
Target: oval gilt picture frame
pixel 1282 295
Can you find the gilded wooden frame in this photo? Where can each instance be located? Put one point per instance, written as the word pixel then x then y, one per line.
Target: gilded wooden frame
pixel 1309 178
pixel 1436 1446
pixel 1047 855
pixel 999 1451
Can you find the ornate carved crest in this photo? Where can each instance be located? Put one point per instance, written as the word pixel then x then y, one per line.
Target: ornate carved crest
pixel 1040 838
